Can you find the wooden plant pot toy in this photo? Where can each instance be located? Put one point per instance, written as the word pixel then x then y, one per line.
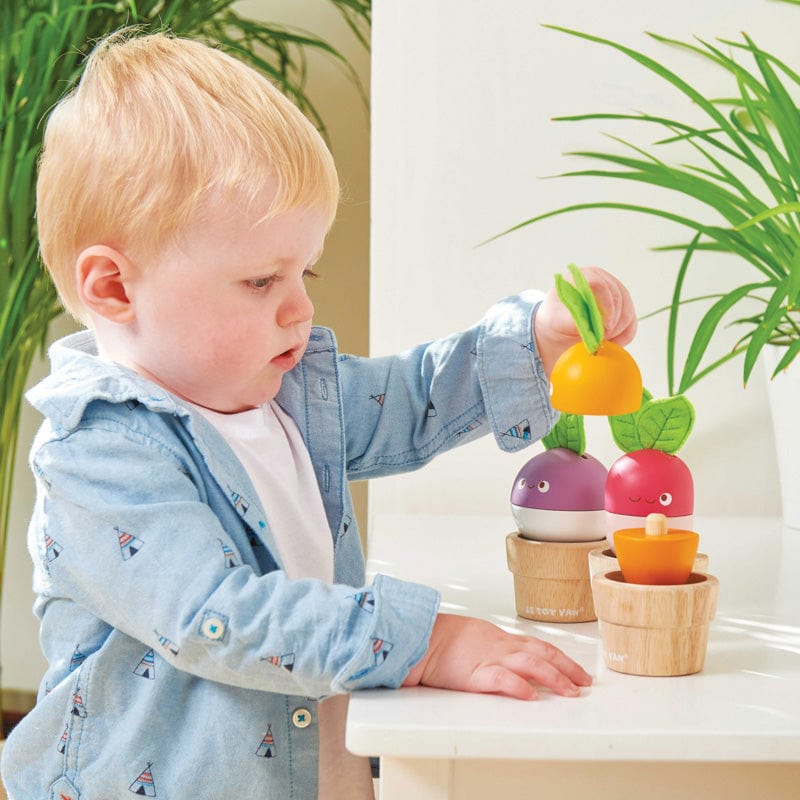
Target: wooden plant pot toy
pixel 551 581
pixel 654 614
pixel 655 630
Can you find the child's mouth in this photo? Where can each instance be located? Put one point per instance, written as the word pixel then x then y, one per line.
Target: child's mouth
pixel 288 359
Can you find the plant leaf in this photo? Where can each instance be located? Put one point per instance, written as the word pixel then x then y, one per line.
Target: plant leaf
pixel 707 328
pixel 765 328
pixel 673 312
pixel 791 351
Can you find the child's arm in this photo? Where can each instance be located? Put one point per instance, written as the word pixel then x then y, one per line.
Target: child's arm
pixel 472 655
pixel 401 411
pixel 555 330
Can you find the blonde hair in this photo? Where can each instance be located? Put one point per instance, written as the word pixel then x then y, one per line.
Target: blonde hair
pixel 156 126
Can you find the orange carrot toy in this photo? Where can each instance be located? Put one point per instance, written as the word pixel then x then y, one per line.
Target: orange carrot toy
pixel 655 555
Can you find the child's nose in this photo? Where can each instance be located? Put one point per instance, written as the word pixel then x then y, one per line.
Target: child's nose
pixel 296 308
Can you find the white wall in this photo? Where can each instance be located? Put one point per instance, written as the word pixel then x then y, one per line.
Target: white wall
pixel 463 96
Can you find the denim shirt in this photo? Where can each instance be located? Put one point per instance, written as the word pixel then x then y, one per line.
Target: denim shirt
pixel 182 661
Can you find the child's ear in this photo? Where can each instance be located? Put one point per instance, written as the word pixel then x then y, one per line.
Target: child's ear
pixel 102 274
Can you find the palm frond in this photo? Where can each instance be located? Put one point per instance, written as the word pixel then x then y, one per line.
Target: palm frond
pixel 748 181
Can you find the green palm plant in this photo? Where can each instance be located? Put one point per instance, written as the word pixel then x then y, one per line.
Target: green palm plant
pixel 746 176
pixel 42 43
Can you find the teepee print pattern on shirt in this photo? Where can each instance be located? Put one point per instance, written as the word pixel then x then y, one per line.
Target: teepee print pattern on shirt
pixel 380 652
pixel 228 555
pixel 77 659
pixel 144 785
pixel 146 668
pixel 78 708
pixel 267 747
pixel 129 545
pixel 239 503
pixel 381 649
pixel 52 548
pixel 286 661
pixel 167 645
pixel 522 430
pixel 366 600
pixel 469 427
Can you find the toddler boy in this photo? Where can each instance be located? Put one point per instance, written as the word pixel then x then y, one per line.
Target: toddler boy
pixel 198 572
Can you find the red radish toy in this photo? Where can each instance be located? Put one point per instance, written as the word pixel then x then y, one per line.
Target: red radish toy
pixel 650 477
pixel 558 496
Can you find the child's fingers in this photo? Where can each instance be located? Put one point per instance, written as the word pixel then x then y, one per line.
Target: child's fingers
pixel 533 668
pixel 497 679
pixel 561 661
pixel 625 336
pixel 615 304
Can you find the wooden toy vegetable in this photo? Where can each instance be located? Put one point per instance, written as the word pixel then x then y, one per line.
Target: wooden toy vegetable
pixel 558 495
pixel 557 501
pixel 654 614
pixel 650 477
pixel 594 376
pixel 656 555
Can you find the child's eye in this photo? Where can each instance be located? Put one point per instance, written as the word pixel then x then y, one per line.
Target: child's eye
pixel 309 273
pixel 259 284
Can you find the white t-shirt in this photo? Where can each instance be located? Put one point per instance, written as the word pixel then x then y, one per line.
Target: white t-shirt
pixel 269 444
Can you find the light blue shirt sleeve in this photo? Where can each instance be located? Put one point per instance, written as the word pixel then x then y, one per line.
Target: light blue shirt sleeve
pixel 140 551
pixel 401 411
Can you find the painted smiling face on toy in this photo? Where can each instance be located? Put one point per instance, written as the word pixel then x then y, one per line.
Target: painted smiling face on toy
pixel 558 496
pixel 650 478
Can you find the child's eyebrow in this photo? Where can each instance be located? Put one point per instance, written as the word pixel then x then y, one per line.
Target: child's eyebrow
pixel 285 262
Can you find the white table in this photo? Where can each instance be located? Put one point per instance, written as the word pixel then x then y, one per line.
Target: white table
pixel 731 731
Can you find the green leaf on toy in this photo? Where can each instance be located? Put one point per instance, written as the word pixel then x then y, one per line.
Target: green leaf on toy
pixel 580 301
pixel 568 432
pixel 625 428
pixel 665 424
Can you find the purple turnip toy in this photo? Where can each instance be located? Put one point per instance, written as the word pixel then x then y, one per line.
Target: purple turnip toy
pixel 558 496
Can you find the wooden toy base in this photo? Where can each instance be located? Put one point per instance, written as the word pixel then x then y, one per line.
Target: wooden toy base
pixel 551 579
pixel 655 630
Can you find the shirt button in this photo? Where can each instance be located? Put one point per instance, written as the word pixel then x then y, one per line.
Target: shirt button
pixel 301 718
pixel 213 628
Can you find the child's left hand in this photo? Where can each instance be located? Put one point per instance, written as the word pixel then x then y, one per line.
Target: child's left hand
pixel 554 328
pixel 466 654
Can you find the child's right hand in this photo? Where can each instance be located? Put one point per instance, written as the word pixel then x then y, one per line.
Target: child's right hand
pixel 472 655
pixel 555 330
